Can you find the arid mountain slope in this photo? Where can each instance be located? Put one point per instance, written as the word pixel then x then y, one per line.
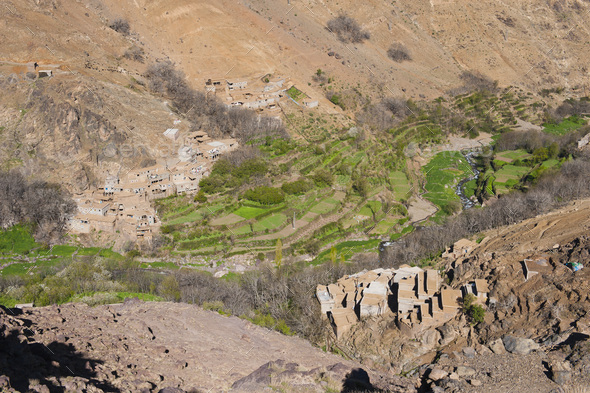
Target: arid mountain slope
pixel 533 43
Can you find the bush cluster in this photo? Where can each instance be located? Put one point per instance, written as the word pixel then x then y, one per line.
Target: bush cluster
pixel 398 52
pixel 265 195
pixel 121 25
pixel 296 187
pixel 347 29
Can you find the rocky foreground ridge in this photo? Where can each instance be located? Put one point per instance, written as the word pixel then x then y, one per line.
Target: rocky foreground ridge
pixel 164 347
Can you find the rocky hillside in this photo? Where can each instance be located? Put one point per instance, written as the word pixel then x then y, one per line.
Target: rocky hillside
pixel 538 327
pixel 167 347
pixel 97 96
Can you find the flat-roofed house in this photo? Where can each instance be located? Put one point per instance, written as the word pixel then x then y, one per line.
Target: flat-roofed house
pixel 450 299
pixel 236 84
pixel 94 208
pixel 461 248
pixel 325 299
pixel 172 133
pixel 372 304
pixel 342 320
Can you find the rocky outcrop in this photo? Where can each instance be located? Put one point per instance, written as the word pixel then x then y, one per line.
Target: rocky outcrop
pixel 165 347
pixel 518 345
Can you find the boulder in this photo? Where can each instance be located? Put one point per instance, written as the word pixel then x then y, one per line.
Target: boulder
pixel 497 347
pixel 447 334
pixel 430 338
pixel 469 352
pixel 437 374
pixel 519 345
pixel 463 371
pixel 561 372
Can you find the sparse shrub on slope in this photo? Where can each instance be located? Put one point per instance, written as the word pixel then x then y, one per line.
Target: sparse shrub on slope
pixel 135 53
pixel 399 53
pixel 347 29
pixel 121 25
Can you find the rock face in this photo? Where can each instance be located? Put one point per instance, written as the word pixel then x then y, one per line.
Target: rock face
pixel 521 346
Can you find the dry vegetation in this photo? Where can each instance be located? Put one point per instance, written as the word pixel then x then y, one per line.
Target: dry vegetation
pixel 209 112
pixel 347 29
pixel 42 205
pixel 121 26
pixel 399 53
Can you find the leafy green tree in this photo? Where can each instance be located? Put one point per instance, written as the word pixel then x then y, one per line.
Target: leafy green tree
pixel 553 150
pixel 265 195
pixel 200 197
pixel 322 178
pixel 474 312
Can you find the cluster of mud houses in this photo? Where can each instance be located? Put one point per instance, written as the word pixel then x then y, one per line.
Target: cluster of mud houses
pixel 263 94
pixel 410 294
pixel 122 205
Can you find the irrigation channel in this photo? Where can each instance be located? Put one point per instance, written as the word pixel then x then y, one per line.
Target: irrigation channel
pixel 460 190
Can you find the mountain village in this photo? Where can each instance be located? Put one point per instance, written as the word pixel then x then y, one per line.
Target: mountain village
pixel 122 205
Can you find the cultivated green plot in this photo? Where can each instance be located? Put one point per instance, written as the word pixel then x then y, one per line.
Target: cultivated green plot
pixel 401 184
pixel 271 222
pixel 249 212
pixel 550 163
pixel 512 155
pixel 325 206
pixel 384 226
pixel 194 215
pixel 242 230
pixel 22 255
pixel 443 173
pixel 370 208
pixel 228 220
pixel 567 125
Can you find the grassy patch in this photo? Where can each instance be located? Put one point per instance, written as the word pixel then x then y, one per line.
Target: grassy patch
pixel 566 125
pixel 369 208
pixel 249 212
pixel 443 173
pixel 401 184
pixel 295 93
pixel 271 222
pixel 348 249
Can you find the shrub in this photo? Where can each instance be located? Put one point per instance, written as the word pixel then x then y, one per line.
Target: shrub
pixel 121 26
pixel 296 187
pixel 135 53
pixel 347 29
pixel 399 53
pixel 200 197
pixel 322 178
pixel 475 313
pixel 265 195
